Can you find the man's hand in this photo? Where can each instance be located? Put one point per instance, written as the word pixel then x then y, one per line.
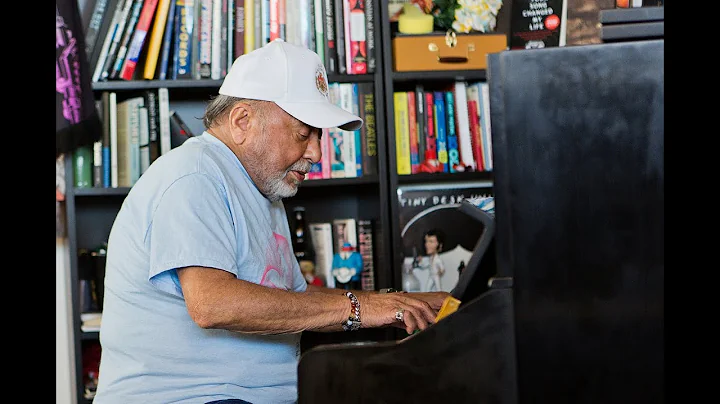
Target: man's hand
pixel 380 309
pixel 434 299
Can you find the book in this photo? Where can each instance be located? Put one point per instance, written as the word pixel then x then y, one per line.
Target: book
pixel 167 44
pixel 151 103
pixel 322 242
pixel 441 129
pixel 138 40
pixel 184 32
pixel 402 134
pixel 94 26
pixel 331 54
pixel 164 120
pixel 368 132
pixel 157 35
pixel 413 131
pixel 486 130
pixel 204 54
pixel 452 139
pixel 432 209
pixel 357 39
pixel 462 121
pixel 365 248
pixel 240 35
pixel 370 36
pixel 112 40
pixel 179 131
pixel 133 18
pixel 344 231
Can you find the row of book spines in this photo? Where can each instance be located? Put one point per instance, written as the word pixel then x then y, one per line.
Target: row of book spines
pixel 341 32
pixel 201 38
pixel 135 132
pixel 349 154
pixel 327 239
pixel 450 127
pixel 133 37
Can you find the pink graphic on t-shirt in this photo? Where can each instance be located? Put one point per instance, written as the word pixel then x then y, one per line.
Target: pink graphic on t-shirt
pixel 278 269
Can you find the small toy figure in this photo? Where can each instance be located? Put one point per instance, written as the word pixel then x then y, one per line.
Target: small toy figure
pixel 307 268
pixel 346 268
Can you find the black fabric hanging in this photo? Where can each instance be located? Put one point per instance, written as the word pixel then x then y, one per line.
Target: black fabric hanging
pixel 77 121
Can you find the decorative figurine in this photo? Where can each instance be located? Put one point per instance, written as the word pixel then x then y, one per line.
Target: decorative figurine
pixel 433 247
pixel 346 268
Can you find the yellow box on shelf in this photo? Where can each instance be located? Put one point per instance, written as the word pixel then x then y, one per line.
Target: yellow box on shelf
pixel 445 51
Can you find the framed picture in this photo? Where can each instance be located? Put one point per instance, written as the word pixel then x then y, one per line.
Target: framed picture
pixel 437 238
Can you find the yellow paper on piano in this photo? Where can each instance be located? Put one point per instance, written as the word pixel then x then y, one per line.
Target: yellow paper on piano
pixel 449 306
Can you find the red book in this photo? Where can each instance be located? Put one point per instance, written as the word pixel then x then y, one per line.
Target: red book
pixel 138 40
pixel 475 135
pixel 274 20
pixel 358 43
pixel 430 142
pixel 412 125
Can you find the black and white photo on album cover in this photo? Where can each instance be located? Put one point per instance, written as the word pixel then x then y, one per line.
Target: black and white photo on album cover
pixel 438 239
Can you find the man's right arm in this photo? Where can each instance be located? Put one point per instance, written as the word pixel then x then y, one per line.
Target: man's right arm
pixel 217 299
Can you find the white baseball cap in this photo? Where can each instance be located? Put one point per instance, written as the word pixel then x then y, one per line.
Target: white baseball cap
pixel 294 78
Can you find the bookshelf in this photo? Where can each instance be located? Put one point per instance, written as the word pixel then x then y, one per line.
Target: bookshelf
pixel 405 81
pixel 90 212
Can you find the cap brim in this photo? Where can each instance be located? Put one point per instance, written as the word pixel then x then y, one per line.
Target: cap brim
pixel 322 115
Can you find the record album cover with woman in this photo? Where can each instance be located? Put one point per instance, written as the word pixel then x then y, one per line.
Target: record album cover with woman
pixel 438 239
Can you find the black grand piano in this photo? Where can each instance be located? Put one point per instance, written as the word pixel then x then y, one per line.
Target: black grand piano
pixel 562 300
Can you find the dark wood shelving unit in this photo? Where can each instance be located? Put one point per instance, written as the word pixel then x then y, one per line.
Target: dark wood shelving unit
pixel 121 191
pixel 332 182
pixel 445 177
pixel 90 335
pixel 440 75
pixel 135 85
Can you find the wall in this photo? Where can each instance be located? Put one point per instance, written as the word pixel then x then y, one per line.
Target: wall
pixel 65 392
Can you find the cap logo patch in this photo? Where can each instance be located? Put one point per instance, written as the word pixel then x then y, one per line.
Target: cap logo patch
pixel 320 81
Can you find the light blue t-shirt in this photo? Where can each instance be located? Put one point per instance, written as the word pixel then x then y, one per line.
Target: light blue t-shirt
pixel 194 206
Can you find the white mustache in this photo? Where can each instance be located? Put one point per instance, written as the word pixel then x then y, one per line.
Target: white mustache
pixel 301 165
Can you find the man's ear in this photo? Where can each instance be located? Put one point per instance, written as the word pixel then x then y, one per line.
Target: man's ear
pixel 239 122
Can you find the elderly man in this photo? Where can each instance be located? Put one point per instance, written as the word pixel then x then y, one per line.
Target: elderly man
pixel 204 301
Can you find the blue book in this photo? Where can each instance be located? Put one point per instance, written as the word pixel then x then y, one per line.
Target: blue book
pixel 167 42
pixel 358 135
pixel 452 139
pixel 441 129
pixel 183 34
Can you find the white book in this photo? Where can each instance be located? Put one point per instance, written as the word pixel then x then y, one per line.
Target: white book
pixel 216 40
pixel 344 231
pixel 349 149
pixel 486 129
pixel 164 118
pixel 462 121
pixel 230 36
pixel 322 241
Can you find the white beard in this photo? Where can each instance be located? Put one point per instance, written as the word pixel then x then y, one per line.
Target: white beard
pixel 272 185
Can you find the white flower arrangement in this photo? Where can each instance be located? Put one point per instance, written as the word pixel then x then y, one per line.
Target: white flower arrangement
pixel 476 15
